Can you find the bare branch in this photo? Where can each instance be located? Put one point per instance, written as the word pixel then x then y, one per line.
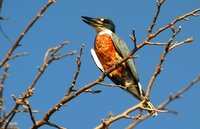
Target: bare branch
pixel 157 43
pixel 3 78
pixel 172 23
pixel 52 55
pixel 106 123
pixel 189 40
pixel 77 71
pixel 159 66
pixel 16 44
pixel 182 91
pixel 5 74
pixel 30 112
pixel 165 103
pixel 173 45
pixel 159 4
pixel 55 125
pixel 111 85
pixel 66 99
pixel 18 55
pixel 52 52
pixel 133 38
pixel 89 91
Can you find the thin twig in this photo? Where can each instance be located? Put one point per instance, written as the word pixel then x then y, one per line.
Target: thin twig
pixel 180 43
pixel 182 91
pixel 173 45
pixel 159 65
pixel 5 35
pixel 31 113
pixel 3 78
pixel 157 43
pixel 159 4
pixel 89 91
pixel 77 71
pixel 10 119
pixel 172 23
pixel 55 125
pixel 111 85
pixel 133 38
pixel 5 74
pixel 18 55
pixel 110 120
pixel 52 54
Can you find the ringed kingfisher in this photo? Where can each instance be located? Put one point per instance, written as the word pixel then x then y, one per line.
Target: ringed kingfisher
pixel 110 49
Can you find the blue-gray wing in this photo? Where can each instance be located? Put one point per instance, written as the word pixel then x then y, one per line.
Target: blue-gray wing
pixel 123 50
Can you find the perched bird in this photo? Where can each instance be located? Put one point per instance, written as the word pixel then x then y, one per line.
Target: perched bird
pixel 110 49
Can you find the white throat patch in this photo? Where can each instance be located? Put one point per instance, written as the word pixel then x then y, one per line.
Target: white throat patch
pixel 106 31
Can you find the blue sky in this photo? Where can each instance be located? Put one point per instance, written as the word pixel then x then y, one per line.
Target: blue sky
pixel 62 22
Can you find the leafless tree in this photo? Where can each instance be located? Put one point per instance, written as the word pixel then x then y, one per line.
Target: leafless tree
pixel 72 92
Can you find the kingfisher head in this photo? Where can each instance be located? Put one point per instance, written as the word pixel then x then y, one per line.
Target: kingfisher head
pixel 100 24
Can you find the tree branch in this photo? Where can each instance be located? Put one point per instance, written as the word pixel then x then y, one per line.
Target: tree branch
pixel 162 59
pixel 172 23
pixel 168 47
pixel 106 123
pixel 55 125
pixel 16 44
pixel 49 57
pixel 169 100
pixel 77 71
pixel 159 4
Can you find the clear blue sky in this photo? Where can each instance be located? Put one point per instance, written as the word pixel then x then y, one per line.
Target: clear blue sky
pixel 62 22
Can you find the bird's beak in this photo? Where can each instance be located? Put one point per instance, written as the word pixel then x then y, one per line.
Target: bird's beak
pixel 92 21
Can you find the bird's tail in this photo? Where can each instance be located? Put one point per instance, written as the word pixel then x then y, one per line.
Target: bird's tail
pixel 137 92
pixel 150 106
pixel 147 104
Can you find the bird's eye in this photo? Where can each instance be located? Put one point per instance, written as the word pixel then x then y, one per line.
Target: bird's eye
pixel 105 21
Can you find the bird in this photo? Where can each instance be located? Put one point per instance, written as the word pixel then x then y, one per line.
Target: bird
pixel 108 50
